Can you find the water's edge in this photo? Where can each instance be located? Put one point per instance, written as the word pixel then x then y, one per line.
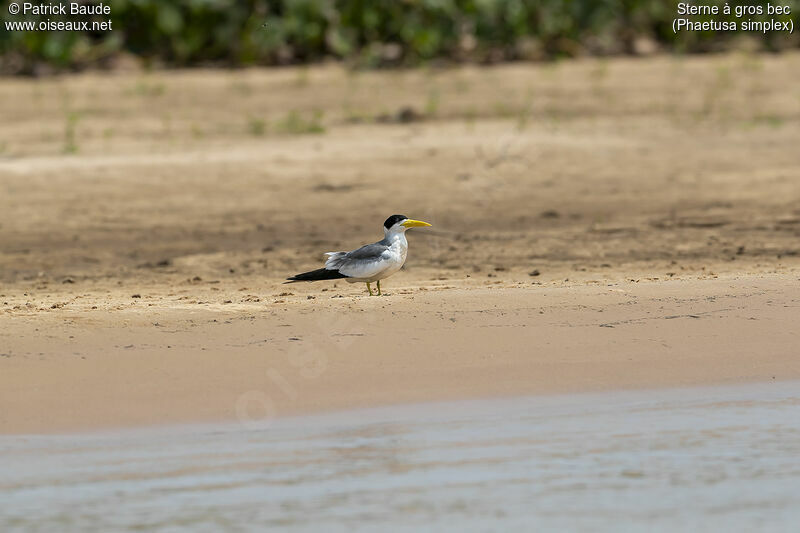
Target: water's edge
pixel 713 458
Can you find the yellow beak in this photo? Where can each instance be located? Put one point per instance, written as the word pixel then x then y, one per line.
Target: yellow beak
pixel 414 223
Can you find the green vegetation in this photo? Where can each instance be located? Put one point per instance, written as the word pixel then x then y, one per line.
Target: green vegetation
pixel 71 123
pixel 256 126
pixel 365 33
pixel 296 123
pixel 148 90
pixel 432 103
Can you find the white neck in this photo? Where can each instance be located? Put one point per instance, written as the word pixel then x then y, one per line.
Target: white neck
pixel 394 235
pixel 397 243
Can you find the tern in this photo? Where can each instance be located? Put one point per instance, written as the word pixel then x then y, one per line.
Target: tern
pixel 370 263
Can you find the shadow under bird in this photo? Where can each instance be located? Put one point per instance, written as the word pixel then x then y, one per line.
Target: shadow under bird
pixel 370 263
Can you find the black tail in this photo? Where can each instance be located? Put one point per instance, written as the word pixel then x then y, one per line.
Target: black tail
pixel 316 275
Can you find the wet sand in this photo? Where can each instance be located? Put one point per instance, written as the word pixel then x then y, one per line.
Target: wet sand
pixel 161 360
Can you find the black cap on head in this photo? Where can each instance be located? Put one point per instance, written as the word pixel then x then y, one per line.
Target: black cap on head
pixel 394 219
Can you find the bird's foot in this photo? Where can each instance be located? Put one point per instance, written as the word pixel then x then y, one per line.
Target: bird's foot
pixel 370 289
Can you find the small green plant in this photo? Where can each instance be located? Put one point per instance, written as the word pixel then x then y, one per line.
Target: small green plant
pixel 70 142
pixel 525 113
pixel 461 85
pixel 354 116
pixel 599 71
pixel 302 77
pixel 241 87
pixel 523 117
pixel 771 120
pixel 432 103
pixel 503 110
pixel 296 124
pixel 256 126
pixel 470 116
pixel 149 89
pixel 751 63
pixel 166 122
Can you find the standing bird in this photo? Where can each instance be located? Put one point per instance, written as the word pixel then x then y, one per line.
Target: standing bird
pixel 371 262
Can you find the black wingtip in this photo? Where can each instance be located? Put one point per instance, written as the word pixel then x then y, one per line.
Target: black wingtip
pixel 316 275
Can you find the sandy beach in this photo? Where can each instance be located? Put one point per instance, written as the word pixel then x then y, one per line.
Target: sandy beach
pixel 597 225
pixel 158 360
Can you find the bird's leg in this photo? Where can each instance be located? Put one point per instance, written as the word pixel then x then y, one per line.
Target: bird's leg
pixel 369 289
pixel 379 288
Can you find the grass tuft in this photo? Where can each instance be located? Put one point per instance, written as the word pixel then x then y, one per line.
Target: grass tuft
pixel 297 124
pixel 70 140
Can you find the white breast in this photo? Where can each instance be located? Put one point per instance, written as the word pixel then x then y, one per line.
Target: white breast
pixel 390 261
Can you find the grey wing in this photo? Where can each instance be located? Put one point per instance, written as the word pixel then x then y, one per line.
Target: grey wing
pixel 367 252
pixel 361 263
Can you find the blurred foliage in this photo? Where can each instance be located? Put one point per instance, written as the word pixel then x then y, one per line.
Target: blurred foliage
pixel 368 33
